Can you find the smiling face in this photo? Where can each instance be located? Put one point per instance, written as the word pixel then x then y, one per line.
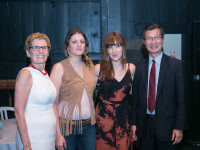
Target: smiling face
pixel 114 48
pixel 76 45
pixel 38 56
pixel 154 42
pixel 115 52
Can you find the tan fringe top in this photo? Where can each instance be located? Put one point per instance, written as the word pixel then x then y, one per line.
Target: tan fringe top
pixel 71 93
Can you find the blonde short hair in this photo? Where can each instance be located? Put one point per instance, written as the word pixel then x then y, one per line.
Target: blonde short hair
pixel 36 35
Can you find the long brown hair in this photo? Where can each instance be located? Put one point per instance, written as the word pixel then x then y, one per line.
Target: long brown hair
pixel 111 39
pixel 84 57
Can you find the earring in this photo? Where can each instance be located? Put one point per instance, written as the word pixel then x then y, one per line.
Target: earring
pixel 29 59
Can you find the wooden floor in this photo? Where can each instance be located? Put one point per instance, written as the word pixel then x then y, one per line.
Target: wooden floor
pixel 184 146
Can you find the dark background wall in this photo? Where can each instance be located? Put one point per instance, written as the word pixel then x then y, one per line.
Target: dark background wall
pixel 20 18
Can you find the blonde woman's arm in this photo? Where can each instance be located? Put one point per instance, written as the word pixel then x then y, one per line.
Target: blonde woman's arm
pixel 22 90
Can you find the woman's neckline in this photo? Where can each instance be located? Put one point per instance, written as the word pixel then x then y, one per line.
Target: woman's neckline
pixel 44 73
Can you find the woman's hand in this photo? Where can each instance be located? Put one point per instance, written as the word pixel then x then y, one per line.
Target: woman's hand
pixel 134 135
pixel 61 143
pixel 27 147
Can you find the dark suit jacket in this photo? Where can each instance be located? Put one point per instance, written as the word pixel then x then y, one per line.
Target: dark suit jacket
pixel 170 111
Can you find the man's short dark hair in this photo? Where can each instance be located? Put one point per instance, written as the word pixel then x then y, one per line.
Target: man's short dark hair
pixel 152 27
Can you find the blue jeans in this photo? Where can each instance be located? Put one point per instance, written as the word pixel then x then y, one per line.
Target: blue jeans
pixel 85 141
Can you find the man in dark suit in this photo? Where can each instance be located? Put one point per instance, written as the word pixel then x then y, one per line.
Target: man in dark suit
pixel 158 96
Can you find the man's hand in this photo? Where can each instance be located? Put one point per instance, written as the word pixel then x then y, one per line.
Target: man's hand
pixel 134 135
pixel 177 136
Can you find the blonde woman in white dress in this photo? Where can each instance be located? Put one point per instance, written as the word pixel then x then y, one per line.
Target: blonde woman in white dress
pixel 35 95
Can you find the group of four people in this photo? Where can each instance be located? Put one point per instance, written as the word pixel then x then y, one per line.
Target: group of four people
pixel 59 110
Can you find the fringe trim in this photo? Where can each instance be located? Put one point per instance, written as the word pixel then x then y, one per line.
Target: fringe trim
pixel 66 113
pixel 66 110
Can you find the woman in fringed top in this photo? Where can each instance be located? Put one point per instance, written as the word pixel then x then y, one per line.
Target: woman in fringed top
pixel 74 80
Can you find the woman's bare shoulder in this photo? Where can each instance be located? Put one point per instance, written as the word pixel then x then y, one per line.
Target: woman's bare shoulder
pixel 24 78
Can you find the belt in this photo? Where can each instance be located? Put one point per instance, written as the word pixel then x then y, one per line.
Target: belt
pixel 150 117
pixel 84 122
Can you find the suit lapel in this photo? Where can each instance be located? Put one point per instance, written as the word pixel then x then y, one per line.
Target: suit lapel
pixel 145 74
pixel 163 67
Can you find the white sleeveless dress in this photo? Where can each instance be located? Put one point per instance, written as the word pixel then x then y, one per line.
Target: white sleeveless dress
pixel 39 113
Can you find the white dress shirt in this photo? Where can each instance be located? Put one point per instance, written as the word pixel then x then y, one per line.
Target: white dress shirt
pixel 157 64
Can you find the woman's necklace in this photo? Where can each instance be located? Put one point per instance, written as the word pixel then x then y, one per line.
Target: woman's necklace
pixel 44 73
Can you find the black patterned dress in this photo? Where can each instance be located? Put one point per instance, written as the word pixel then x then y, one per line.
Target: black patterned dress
pixel 113 114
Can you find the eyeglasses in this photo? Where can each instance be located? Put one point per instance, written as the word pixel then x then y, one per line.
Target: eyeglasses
pixel 37 48
pixel 156 38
